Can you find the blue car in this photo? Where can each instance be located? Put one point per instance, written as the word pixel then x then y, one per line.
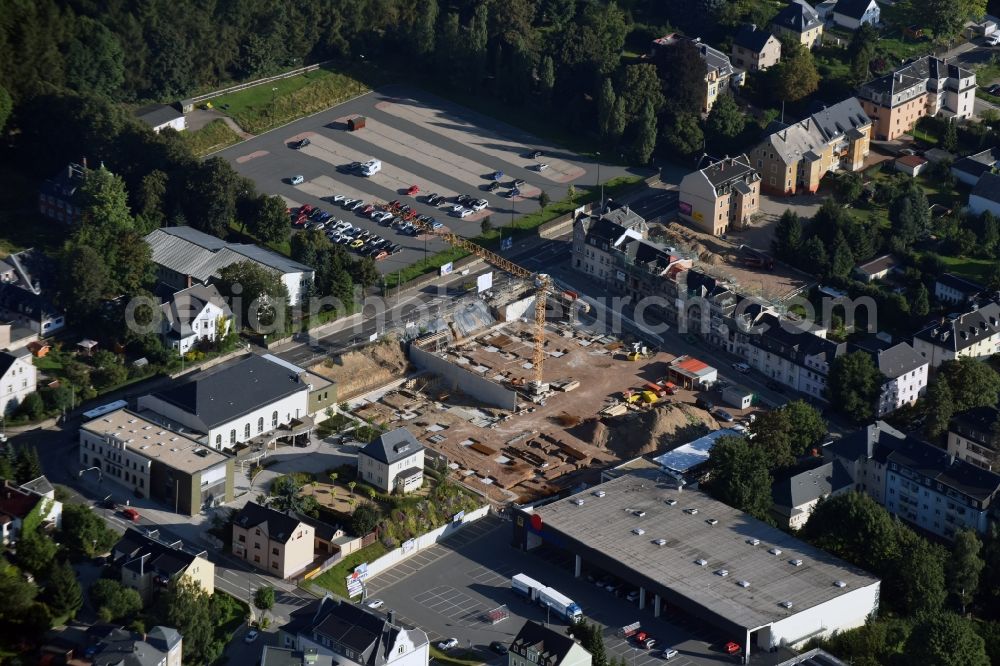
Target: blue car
pixel 434 224
pixel 497 175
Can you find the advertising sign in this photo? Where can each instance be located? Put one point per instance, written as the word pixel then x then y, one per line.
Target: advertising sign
pixel 484 282
pixel 684 207
pixel 447 269
pixel 408 545
pixel 506 243
pixel 620 275
pixel 457 518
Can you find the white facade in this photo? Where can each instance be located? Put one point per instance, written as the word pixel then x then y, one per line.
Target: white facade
pixel 871 17
pixel 203 326
pixel 386 477
pixel 17 382
pixel 903 390
pixel 936 354
pixel 847 611
pixel 115 460
pixel 405 651
pixel 178 124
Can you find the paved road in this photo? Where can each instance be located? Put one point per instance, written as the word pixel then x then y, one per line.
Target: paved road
pixel 415 134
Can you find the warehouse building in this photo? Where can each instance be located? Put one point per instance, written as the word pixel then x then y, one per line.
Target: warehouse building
pixel 689 553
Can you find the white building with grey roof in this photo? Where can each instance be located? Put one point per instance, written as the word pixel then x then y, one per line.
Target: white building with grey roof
pixel 186 256
pixel 193 315
pixel 904 372
pixel 393 462
pixel 748 580
pixel 974 333
pixel 796 496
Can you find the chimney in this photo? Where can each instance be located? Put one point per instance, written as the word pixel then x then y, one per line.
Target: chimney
pixel 392 617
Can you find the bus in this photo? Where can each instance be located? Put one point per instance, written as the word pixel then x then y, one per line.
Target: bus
pixel 105 409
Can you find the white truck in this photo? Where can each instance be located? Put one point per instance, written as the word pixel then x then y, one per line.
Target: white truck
pixel 371 167
pixel 560 603
pixel 526 586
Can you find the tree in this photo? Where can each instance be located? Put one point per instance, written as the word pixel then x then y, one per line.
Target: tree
pixel 84 277
pixel 684 135
pixel 644 87
pixel 965 566
pixel 35 552
pixel 940 408
pixel 544 199
pixel 593 643
pixel 27 467
pixel 605 108
pixel 32 407
pixel 260 293
pixel 946 17
pixel 921 301
pixel 740 476
pixel 814 256
pixel 547 79
pixel 683 73
pixel 787 241
pixel 364 272
pixel 17 593
pixel 916 584
pixel 972 382
pixel 62 590
pixel 618 119
pixel 194 613
pixel 6 105
pixel 949 140
pixel 270 219
pixel 849 186
pixel 843 258
pixel 286 494
pixel 725 121
pixel 854 527
pixel 95 61
pixel 211 193
pixel 425 28
pixel 486 226
pixel 84 533
pixel 854 384
pixel 364 518
pixel 114 601
pixel 795 77
pixel 862 52
pixel 945 639
pixel 263 598
pixel 788 432
pixel 645 135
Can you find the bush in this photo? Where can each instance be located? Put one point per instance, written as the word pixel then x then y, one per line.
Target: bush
pixel 364 519
pixel 113 600
pixel 32 407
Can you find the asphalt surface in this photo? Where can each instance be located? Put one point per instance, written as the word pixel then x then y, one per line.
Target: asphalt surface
pixel 471 138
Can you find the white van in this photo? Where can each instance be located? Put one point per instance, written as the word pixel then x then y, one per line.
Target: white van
pixel 371 167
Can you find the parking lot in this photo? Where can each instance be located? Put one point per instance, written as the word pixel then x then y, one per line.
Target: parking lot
pixel 468 575
pixel 421 140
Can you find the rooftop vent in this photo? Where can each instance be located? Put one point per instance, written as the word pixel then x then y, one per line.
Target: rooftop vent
pixel 660 542
pixel 712 521
pixel 743 583
pixel 693 512
pixel 638 531
pixel 785 604
pixel 722 572
pixel 599 493
pixel 578 501
pixel 701 562
pixel 671 502
pixel 775 551
pixel 795 563
pixel 638 513
pixel 753 542
pixel 839 583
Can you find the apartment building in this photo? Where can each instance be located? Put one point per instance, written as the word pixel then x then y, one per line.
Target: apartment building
pixel 950 288
pixel 596 238
pixel 795 497
pixel 974 436
pixel 393 462
pixel 755 49
pixel 974 333
pixel 927 86
pixel 279 543
pixel 58 197
pixel 354 635
pixel 904 372
pixel 719 72
pixel 193 315
pixel 145 457
pixel 538 645
pixel 248 401
pixel 723 195
pixel 799 22
pixel 796 157
pixel 147 563
pixel 117 646
pixel 922 484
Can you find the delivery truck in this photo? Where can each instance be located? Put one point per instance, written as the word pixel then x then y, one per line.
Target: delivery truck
pixel 560 604
pixel 526 586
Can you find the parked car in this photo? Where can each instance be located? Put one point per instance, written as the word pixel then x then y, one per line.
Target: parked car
pixel 302 143
pixel 645 640
pixel 413 190
pixel 448 644
pixel 433 199
pixel 541 166
pixel 368 209
pixel 297 180
pixel 994 89
pixel 513 193
pixel 375 603
pixel 739 366
pixel 462 198
pixel 479 204
pixel 356 205
pixel 493 186
pixel 994 39
pixel 131 514
pixel 380 254
pixel 704 403
pixel 775 386
pixel 498 647
pixel 434 224
pixel 251 636
pixel 346 203
pixel 668 654
pixel 535 154
pixel 518 182
pixel 496 175
pixel 465 212
pixel 723 415
pixel 337 198
pixel 731 648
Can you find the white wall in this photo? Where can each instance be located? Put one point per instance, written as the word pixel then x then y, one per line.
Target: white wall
pixel 846 611
pixel 288 408
pixel 17 383
pixel 178 124
pixel 293 283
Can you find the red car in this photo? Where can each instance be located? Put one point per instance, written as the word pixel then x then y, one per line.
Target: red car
pixel 131 514
pixel 731 647
pixel 305 208
pixel 413 190
pixel 644 639
pixel 381 255
pixel 367 209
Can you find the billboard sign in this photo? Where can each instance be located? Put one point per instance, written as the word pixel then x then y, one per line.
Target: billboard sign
pixel 354 587
pixel 506 243
pixel 447 268
pixel 457 518
pixel 484 282
pixel 684 207
pixel 408 545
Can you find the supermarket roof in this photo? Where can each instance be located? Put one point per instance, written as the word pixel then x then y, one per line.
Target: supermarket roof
pixel 692 454
pixel 777 567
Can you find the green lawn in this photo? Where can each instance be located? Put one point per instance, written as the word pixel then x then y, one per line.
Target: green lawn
pixel 456 657
pixel 269 105
pixel 334 578
pixel 212 137
pixel 974 269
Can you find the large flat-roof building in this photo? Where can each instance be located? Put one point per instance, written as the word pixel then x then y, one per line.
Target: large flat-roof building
pixel 685 550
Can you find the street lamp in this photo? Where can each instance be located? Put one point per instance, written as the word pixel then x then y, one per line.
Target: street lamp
pixel 274 95
pixel 599 183
pixel 362 56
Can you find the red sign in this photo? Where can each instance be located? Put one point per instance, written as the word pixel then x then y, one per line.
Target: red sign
pixel 536 522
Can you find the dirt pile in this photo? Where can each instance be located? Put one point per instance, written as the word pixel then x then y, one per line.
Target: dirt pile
pixel 364 369
pixel 642 433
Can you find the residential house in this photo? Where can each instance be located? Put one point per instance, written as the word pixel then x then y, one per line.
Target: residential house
pixel 926 486
pixel 985 196
pixel 278 543
pixel 974 436
pixel 393 462
pixel 185 256
pixel 147 456
pixel 969 169
pixel 538 645
pixel 974 333
pixel 799 22
pixel 161 116
pixel 927 86
pixel 949 288
pixel 755 49
pixel 877 269
pixel 249 401
pixel 911 165
pixel 147 563
pixel 17 379
pixel 904 372
pixel 796 157
pixel 192 315
pixel 279 656
pixel 852 14
pixel 595 239
pixel 719 72
pixel 795 497
pixel 58 196
pixel 24 280
pixel 354 635
pixel 723 195
pixel 18 502
pixel 160 646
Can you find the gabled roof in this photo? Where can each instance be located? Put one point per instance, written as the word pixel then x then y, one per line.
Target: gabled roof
pixel 39 486
pixel 157 115
pixel 798 16
pixel 187 304
pixel 552 646
pixel 752 38
pixel 854 9
pixel 914 73
pixel 16 502
pixel 988 187
pixel 392 446
pixel 65 184
pixel 230 390
pixel 977 424
pixel 794 142
pixel 893 360
pixel 966 329
pixel 728 171
pixel 120 647
pixel 811 485
pixel 877 265
pixel 140 553
pixel 960 284
pixel 280 526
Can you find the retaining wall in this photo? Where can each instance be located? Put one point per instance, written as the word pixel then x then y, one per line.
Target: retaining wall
pixel 480 388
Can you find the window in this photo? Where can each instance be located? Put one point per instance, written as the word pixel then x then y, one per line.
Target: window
pixel 260 425
pixel 232 436
pixel 257 531
pixel 274 565
pixel 256 558
pixel 243 538
pixel 218 441
pixel 274 551
pixel 246 431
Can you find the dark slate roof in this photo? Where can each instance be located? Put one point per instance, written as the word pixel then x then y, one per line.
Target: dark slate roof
pixel 798 16
pixel 752 38
pixel 392 446
pixel 6 360
pixel 625 217
pixel 811 485
pixel 65 184
pixel 231 390
pixel 605 230
pixel 977 424
pixel 841 118
pixel 120 647
pixel 277 656
pixel 964 330
pixel 893 360
pixel 16 502
pixel 854 9
pixel 960 284
pixel 916 72
pixel 280 526
pixel 988 187
pixel 140 553
pixel 729 170
pixel 552 646
pixel 790 343
pixel 156 115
